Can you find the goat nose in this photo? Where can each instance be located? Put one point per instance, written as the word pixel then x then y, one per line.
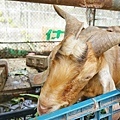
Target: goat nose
pixel 43 109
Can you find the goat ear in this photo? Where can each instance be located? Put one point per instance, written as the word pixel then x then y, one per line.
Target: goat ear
pixel 40 78
pixel 73 26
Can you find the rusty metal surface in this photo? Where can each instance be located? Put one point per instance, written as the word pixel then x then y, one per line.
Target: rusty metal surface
pixel 100 4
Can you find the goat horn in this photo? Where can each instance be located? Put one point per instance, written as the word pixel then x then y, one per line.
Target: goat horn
pixel 73 25
pixel 104 40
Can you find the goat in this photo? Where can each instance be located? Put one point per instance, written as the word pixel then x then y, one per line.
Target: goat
pixel 86 63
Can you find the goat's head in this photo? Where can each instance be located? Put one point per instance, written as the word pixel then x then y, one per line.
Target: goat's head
pixel 73 63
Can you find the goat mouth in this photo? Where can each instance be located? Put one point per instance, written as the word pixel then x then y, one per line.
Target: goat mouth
pixel 41 110
pixel 44 109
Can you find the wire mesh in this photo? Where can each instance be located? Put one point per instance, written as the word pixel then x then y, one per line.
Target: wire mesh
pixel 107 18
pixel 33 22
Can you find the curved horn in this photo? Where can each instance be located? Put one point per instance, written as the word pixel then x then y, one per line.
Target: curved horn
pixel 73 25
pixel 104 40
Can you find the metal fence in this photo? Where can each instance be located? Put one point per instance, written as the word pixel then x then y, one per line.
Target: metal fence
pixel 33 22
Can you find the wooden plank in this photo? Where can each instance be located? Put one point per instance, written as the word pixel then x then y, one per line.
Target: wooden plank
pixel 1 72
pixel 105 4
pixel 15 82
pixel 3 77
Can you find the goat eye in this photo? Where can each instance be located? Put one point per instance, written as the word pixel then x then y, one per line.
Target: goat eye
pixel 88 77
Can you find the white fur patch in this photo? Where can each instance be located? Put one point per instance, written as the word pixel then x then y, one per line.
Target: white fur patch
pixel 73 46
pixel 106 79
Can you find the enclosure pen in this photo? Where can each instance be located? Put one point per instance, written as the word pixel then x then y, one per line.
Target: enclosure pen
pixel 84 109
pixel 32 39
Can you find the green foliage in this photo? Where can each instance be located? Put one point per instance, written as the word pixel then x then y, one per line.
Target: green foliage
pixel 92 115
pixel 14 25
pixel 1 13
pixel 27 36
pixel 17 100
pixel 23 32
pixel 15 53
pixel 10 20
pixel 2 19
pixel 103 111
pixel 30 95
pixel 36 114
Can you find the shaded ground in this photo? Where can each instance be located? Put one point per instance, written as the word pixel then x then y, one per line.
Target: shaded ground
pixel 20 75
pixel 20 79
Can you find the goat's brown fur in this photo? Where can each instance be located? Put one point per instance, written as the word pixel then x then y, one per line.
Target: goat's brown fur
pixel 80 67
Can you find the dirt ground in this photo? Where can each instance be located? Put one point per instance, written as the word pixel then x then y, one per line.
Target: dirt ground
pixel 18 63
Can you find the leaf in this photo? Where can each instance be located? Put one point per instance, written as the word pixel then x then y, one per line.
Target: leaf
pixel 31 95
pixel 17 100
